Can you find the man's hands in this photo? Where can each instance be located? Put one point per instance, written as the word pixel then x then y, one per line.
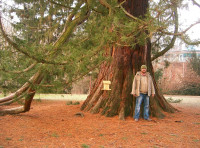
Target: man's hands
pixel 151 95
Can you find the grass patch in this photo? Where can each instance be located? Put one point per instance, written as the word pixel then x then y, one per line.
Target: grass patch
pixel 101 135
pixel 69 134
pixel 69 103
pixel 38 100
pixel 144 133
pixel 8 138
pixel 76 103
pixel 196 140
pixel 124 138
pixel 55 135
pixel 197 123
pixel 72 103
pixel 21 139
pixel 173 135
pixel 171 100
pixel 85 146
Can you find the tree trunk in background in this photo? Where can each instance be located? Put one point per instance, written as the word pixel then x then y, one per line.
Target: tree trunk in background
pixel 120 71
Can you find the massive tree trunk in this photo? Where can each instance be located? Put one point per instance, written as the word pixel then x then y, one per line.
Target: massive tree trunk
pixel 120 71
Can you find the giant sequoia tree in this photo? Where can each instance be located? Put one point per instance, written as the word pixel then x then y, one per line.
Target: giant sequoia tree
pixel 126 61
pixel 58 42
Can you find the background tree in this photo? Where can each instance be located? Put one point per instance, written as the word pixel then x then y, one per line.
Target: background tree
pixel 65 40
pixel 194 63
pixel 191 84
pixel 35 47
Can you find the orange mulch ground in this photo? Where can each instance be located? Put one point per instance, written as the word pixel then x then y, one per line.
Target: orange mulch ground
pixel 52 124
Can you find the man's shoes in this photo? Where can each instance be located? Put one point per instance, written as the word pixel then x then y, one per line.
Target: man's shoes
pixel 148 119
pixel 136 120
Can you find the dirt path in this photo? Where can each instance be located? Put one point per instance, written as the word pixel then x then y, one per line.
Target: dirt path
pixel 52 124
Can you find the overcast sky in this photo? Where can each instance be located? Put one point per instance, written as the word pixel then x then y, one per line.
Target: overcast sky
pixel 188 16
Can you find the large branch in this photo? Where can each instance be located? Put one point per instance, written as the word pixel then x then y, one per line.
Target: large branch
pixel 70 26
pixel 29 97
pixel 16 110
pixel 31 91
pixel 16 99
pixel 21 90
pixel 173 39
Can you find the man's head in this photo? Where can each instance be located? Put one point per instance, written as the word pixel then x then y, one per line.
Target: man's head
pixel 143 68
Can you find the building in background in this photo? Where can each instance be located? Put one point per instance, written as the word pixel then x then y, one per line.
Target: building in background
pixel 175 68
pixel 180 54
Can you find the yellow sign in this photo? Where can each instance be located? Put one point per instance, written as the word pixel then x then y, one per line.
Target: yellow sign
pixel 106 85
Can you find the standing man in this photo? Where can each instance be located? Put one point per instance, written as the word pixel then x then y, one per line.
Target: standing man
pixel 142 89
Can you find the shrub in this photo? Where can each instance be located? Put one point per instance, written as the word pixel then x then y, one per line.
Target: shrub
pixel 190 89
pixel 171 100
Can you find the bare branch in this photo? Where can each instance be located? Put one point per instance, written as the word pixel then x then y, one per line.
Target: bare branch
pixel 195 3
pixel 180 33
